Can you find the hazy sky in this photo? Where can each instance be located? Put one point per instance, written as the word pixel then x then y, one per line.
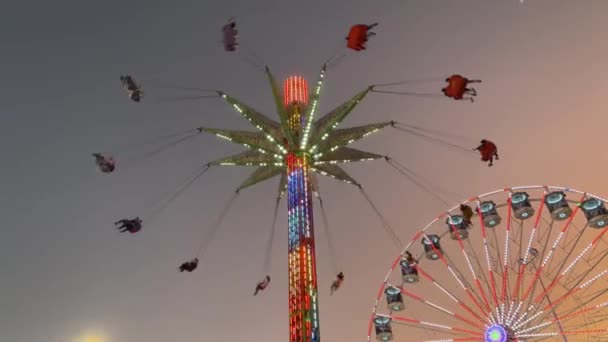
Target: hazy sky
pixel 64 270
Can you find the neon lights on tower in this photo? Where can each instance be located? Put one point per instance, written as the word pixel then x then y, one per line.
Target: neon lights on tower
pixel 303 298
pixel 295 89
pixel 285 149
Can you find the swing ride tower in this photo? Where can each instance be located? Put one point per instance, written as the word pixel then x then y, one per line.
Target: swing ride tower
pixel 303 298
pixel 297 148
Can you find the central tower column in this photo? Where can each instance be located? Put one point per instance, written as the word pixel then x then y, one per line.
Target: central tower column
pixel 303 298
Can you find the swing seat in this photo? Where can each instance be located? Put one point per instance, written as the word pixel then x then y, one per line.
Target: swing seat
pixel 229 36
pixel 357 37
pixel 456 87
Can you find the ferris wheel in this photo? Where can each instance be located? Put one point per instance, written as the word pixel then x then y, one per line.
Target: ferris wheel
pixel 526 264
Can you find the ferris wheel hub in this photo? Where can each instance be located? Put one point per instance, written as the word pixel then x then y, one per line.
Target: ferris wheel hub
pixel 496 333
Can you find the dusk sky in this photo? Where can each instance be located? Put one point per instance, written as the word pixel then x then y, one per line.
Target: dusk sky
pixel 66 272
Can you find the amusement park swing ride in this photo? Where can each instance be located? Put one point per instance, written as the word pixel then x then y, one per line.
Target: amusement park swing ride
pixel 515 276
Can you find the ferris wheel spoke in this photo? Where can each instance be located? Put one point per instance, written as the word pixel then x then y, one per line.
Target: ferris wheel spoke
pixel 460 281
pixel 577 278
pixel 505 274
pixel 586 273
pixel 501 301
pixel 535 303
pixel 524 263
pixel 552 311
pixel 552 250
pixel 517 239
pixel 577 327
pixel 575 312
pixel 592 258
pixel 520 233
pixel 565 333
pixel 457 339
pixel 576 289
pixel 560 322
pixel 463 339
pixel 569 243
pixel 538 313
pixel 434 332
pixel 544 235
pixel 590 247
pixel 488 257
pixel 559 275
pixel 568 248
pixel 439 308
pixel 528 307
pixel 481 298
pixel 546 249
pixel 435 326
pixel 450 294
pixel 501 267
pixel 520 238
pixel 594 320
pixel 483 276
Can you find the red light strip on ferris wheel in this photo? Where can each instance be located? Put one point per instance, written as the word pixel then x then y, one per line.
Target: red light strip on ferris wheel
pixel 435 325
pixel 585 284
pixel 572 291
pixel 565 333
pixel 487 252
pixel 464 287
pixel 437 307
pixel 452 296
pixel 523 265
pixel 505 275
pixel 557 240
pixel 477 281
pixel 589 247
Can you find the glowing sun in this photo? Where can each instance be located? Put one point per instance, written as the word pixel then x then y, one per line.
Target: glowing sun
pixel 92 338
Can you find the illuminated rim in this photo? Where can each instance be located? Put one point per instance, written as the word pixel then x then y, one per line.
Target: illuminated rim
pixel 532 279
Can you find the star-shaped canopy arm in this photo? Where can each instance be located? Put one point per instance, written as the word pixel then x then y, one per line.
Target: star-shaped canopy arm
pixel 334 171
pixel 277 94
pixel 261 174
pixel 312 108
pixel 253 140
pixel 345 155
pixel 271 128
pixel 331 120
pixel 266 148
pixel 346 136
pixel 247 158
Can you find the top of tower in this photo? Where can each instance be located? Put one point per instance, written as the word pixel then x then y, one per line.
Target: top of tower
pixel 295 89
